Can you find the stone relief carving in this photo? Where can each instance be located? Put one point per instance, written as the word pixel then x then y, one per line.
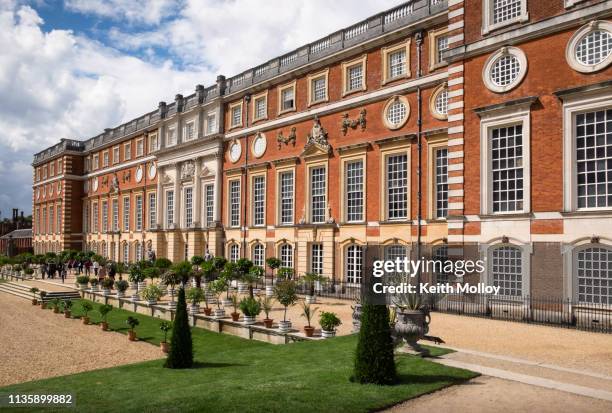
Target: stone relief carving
pixel 127 175
pixel 166 179
pixel 114 184
pixel 286 140
pixel 187 170
pixel 353 124
pixel 317 138
pixel 330 219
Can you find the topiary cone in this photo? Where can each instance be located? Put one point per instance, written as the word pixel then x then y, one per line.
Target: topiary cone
pixel 181 350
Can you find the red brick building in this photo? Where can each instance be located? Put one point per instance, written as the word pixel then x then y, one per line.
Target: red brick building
pixel 504 106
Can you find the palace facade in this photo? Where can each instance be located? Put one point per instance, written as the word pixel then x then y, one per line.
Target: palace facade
pixel 482 128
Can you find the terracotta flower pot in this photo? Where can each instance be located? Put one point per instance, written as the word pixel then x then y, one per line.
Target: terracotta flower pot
pixel 165 347
pixel 132 335
pixel 309 331
pixel 43 305
pixel 268 322
pixel 67 313
pixel 207 311
pixel 56 310
pixel 235 316
pixel 34 301
pixel 104 325
pixel 85 320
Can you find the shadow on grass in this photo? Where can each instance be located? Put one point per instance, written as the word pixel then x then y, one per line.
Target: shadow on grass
pixel 209 365
pixel 426 379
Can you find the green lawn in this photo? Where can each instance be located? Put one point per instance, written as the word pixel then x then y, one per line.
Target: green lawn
pixel 234 374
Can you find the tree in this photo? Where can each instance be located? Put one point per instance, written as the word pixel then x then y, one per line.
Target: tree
pixel 374 362
pixel 181 349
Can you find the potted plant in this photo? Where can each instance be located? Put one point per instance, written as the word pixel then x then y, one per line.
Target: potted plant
pixel 308 313
pixel 170 279
pixel 252 277
pixel 67 307
pixel 121 287
pixel 34 290
pixel 152 293
pixel 104 310
pixel 266 306
pixel 42 294
pixel 285 273
pixel 251 308
pixel 82 281
pixel 195 295
pixel 235 314
pixel 165 326
pixel 329 321
pixel 217 288
pixel 107 285
pixel 273 263
pixel 285 293
pixel 94 283
pixel 310 280
pixel 228 274
pixel 135 277
pixel 87 307
pixel 29 272
pixel 132 322
pixel 55 304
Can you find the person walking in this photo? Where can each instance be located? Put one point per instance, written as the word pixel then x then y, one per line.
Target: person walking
pixel 96 267
pixel 63 271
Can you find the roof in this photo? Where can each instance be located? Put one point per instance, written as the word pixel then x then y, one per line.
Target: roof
pixel 18 233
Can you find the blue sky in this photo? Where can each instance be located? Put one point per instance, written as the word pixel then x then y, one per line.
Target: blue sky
pixel 69 69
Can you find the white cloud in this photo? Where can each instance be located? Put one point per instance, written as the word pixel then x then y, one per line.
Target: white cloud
pixel 133 11
pixel 57 84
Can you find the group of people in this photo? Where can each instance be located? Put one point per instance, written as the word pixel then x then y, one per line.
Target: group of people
pixel 54 270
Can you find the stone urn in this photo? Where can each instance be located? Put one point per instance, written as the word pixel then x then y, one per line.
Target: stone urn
pixel 311 299
pixel 269 290
pixel 356 318
pixel 410 327
pixel 243 287
pixel 284 326
pixel 219 313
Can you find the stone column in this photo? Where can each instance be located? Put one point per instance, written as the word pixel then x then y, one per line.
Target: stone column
pixel 177 195
pixel 159 207
pixel 197 194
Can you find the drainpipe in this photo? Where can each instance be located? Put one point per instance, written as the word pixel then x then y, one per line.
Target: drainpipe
pixel 419 44
pixel 247 99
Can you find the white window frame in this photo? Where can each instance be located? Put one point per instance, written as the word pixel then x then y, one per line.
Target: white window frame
pixel 171 132
pixel 570 50
pixel 230 252
pixel 489 64
pixel 190 123
pixel 346 259
pixel 116 155
pixel 153 142
pixel 279 197
pixel 433 108
pixel 170 213
pixel 316 259
pixel 138 223
pixel 96 162
pixel 346 67
pixel 209 204
pixel 127 151
pixel 255 99
pixel 188 208
pixel 344 185
pixel 254 209
pixel 104 217
pixel 571 106
pixel 286 247
pixel 211 126
pixel 230 203
pixel 255 256
pixel 386 55
pixel 526 251
pixel 115 212
pixel 139 147
pixel 233 123
pixel 281 90
pixel 385 154
pixel 152 210
pixel 316 76
pixel 309 212
pixel 499 119
pixel 487 17
pixel 126 213
pixel 391 101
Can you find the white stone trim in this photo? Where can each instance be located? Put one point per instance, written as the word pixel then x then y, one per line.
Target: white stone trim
pixel 455 142
pixel 455 167
pixel 454 155
pixel 504 51
pixel 455 69
pixel 526 249
pixel 455 129
pixel 572 105
pixel 487 17
pixel 570 50
pixel 456 12
pixel 507 117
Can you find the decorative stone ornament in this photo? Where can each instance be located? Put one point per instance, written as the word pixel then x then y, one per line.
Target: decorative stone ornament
pixel 348 123
pixel 259 145
pixel 114 186
pixel 187 170
pixel 139 174
pixel 317 139
pixel 285 140
pixel 235 150
pixel 127 176
pixel 94 185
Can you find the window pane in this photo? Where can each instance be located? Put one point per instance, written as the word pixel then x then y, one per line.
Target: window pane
pixel 234 203
pixel 397 63
pixel 507 168
pixel 354 191
pixel 507 271
pixel 258 200
pixel 594 276
pixel 286 195
pixel 441 183
pixel 354 261
pixel 317 193
pixel 316 258
pixel 397 182
pixel 504 10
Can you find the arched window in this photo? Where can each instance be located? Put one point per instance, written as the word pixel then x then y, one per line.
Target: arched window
pixel 258 255
pixel 354 264
pixel 126 253
pixel 594 275
pixel 286 255
pixel 507 270
pixel 234 252
pixel 104 250
pixel 138 251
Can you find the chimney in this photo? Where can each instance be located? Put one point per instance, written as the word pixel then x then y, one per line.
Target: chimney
pixel 178 99
pixel 162 109
pixel 221 84
pixel 200 93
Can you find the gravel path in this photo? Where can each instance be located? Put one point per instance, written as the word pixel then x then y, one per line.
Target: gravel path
pixel 489 394
pixel 559 346
pixel 37 344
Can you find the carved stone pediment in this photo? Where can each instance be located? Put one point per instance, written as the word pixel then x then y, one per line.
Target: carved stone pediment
pixel 187 170
pixel 316 143
pixel 166 179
